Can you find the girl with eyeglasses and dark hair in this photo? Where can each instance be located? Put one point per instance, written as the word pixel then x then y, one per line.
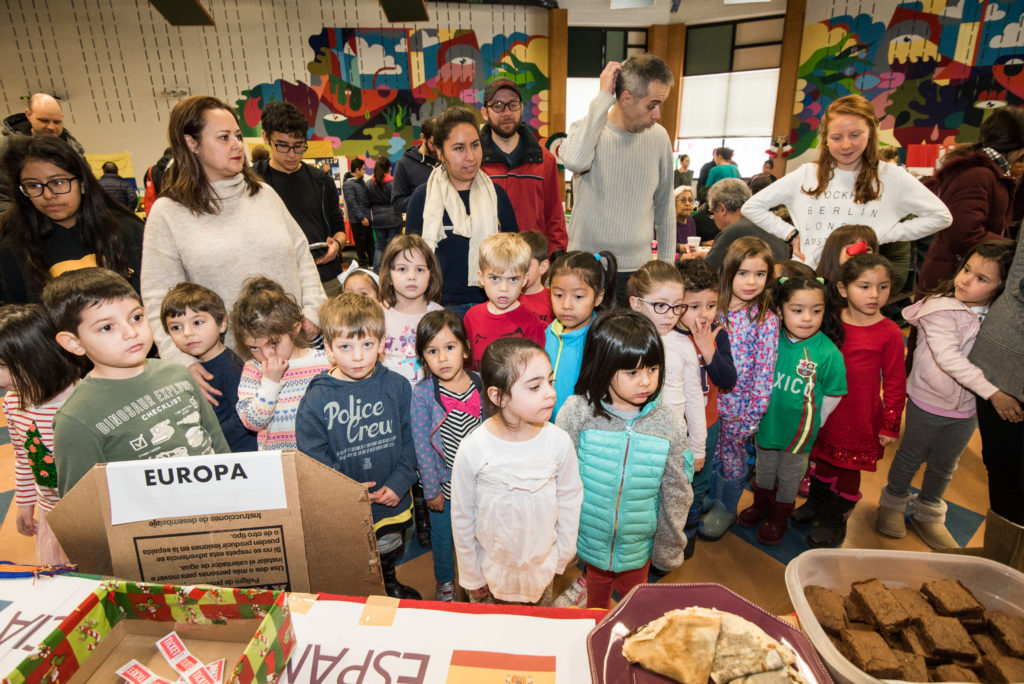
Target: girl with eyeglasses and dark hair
pixel 60 219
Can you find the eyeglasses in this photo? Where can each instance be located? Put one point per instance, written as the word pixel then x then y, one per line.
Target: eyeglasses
pixel 58 186
pixel 499 107
pixel 285 148
pixel 663 308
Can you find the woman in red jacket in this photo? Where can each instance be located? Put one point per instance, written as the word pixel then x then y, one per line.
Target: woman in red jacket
pixel 975 183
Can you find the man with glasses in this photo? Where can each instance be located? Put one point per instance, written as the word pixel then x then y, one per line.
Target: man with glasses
pixel 43 117
pixel 725 199
pixel 309 193
pixel 516 161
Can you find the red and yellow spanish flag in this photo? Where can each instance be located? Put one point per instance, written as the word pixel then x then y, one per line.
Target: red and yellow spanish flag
pixel 482 667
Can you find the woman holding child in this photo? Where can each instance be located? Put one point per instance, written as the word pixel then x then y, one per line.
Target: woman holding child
pixel 217 224
pixel 458 207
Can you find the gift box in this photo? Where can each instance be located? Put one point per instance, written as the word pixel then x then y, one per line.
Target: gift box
pixel 122 620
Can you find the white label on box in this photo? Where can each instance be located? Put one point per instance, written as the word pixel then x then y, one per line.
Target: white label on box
pixel 195 485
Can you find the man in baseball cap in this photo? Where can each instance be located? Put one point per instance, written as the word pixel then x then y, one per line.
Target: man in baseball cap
pixel 520 165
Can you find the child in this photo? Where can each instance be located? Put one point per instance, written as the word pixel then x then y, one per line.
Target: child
pixel 446 407
pixel 360 281
pixel 656 291
pixel 745 306
pixel 516 489
pixel 842 243
pixel 862 424
pixel 630 445
pixel 196 320
pixel 355 419
pixel 711 341
pixel 940 414
pixel 581 283
pixel 410 286
pixel 268 323
pixel 810 378
pixel 128 407
pixel 38 377
pixel 504 261
pixel 535 296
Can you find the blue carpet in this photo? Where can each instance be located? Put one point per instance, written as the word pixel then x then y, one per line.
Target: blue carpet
pixel 962 523
pixel 5 504
pixel 412 546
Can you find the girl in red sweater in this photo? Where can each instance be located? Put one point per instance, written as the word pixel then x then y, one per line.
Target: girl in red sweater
pixel 863 423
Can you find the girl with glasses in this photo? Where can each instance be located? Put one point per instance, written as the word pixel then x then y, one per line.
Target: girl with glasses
pixel 60 219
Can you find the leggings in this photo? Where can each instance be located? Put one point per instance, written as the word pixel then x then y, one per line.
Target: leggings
pixel 935 441
pixel 1002 450
pixel 782 468
pixel 844 481
pixel 731 453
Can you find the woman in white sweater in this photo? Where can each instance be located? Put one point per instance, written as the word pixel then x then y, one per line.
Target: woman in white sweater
pixel 848 185
pixel 216 224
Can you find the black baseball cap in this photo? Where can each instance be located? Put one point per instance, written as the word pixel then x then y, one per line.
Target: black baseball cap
pixel 494 86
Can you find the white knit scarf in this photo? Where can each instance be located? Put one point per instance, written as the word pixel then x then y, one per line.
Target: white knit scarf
pixel 481 221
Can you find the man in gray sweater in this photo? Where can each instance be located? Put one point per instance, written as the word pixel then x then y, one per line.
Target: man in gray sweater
pixel 622 161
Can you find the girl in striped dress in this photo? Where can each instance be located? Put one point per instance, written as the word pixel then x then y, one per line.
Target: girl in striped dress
pixel 38 376
pixel 267 323
pixel 446 407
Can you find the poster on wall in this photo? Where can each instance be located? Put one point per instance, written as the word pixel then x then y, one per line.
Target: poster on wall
pixel 932 71
pixel 369 90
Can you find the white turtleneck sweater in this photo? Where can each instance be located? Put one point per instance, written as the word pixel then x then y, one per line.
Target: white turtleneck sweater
pixel 252 235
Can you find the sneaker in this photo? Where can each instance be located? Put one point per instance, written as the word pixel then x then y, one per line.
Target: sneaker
pixel 575 595
pixel 446 592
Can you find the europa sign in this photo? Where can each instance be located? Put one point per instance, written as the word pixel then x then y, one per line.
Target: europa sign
pixel 191 485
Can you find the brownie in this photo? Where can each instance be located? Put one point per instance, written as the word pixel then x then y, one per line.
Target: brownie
pixel 946 637
pixel 1008 631
pixel 954 673
pixel 827 606
pixel 913 602
pixel 881 606
pixel 855 611
pixel 869 652
pixel 912 642
pixel 951 598
pixel 1003 669
pixel 912 666
pixel 987 644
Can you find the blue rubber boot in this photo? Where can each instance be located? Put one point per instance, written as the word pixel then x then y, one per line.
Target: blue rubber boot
pixel 722 515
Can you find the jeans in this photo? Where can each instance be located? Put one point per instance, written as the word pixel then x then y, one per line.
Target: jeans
pixel 381 238
pixel 442 544
pixel 363 238
pixel 937 442
pixel 601 583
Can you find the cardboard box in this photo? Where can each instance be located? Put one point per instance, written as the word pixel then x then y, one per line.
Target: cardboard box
pixel 322 540
pixel 123 620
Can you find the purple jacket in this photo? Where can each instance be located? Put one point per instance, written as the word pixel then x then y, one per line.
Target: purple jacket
pixel 427 416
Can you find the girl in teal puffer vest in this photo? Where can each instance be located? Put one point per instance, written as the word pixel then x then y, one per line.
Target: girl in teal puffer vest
pixel 630 447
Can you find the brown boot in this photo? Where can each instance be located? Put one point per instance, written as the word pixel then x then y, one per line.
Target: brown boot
pixel 772 532
pixel 1003 542
pixel 759 512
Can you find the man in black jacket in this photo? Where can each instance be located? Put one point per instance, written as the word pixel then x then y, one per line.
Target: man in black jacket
pixel 413 168
pixel 117 187
pixel 309 193
pixel 43 117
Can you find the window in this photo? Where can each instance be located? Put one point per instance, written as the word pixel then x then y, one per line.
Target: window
pixel 591 48
pixel 752 44
pixel 734 110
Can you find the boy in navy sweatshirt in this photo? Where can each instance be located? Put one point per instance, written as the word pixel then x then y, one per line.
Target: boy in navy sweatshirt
pixel 355 419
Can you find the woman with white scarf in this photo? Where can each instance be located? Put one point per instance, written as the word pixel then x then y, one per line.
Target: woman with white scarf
pixel 458 207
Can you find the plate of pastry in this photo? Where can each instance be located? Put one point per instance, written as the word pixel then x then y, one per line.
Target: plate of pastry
pixel 698 634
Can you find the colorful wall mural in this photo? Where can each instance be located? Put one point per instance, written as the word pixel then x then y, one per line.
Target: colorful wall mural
pixel 933 69
pixel 369 89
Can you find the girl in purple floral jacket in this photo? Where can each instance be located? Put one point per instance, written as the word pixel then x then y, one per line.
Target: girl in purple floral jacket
pixel 746 310
pixel 446 407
